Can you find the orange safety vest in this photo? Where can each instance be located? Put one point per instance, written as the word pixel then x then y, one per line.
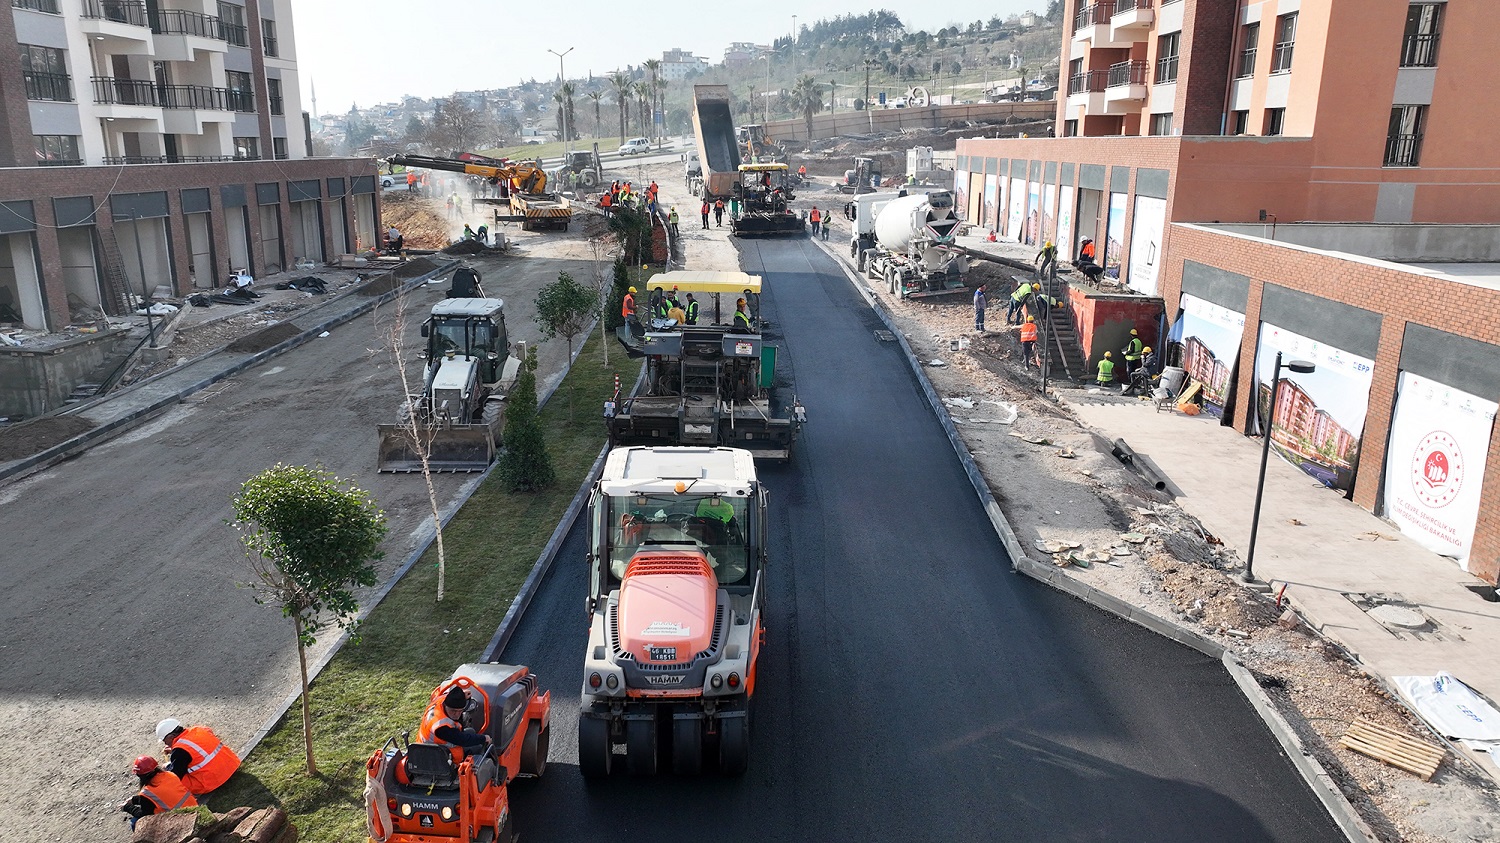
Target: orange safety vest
pixel 1088 250
pixel 212 762
pixel 167 793
pixel 411 178
pixel 1028 332
pixel 802 171
pixel 434 719
pixel 815 215
pixel 627 307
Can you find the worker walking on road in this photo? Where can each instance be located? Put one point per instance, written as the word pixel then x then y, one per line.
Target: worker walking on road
pixel 1018 301
pixel 979 304
pixel 672 221
pixel 1132 353
pixel 197 756
pixel 161 791
pixel 719 213
pixel 705 209
pixel 1106 370
pixel 815 218
pixel 1028 342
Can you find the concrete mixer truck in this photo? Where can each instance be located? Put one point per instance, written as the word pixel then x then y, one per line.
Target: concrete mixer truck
pixel 914 252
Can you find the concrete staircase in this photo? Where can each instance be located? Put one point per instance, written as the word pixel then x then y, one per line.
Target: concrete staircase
pixel 1061 339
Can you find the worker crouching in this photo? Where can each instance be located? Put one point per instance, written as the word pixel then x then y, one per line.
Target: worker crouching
pixel 197 756
pixel 161 791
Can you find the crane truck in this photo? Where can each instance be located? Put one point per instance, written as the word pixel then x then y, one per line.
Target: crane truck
pixel 425 791
pixel 677 557
pixel 915 253
pixel 718 149
pixel 457 416
pixel 523 187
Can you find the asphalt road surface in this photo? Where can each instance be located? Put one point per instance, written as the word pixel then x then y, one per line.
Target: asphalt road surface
pixel 121 606
pixel 912 688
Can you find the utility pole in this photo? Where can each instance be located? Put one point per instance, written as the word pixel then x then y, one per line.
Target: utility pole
pixel 768 89
pixel 794 48
pixel 140 262
pixel 868 113
pixel 561 81
pixel 832 95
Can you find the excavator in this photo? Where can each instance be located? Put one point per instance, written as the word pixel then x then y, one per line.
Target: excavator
pixel 426 792
pixel 522 186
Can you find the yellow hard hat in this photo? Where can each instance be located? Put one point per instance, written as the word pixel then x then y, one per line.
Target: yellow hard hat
pixel 632 289
pixel 1133 332
pixel 1108 354
pixel 1146 350
pixel 1031 319
pixel 739 302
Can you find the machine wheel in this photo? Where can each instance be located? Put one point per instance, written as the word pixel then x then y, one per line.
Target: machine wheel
pixel 534 749
pixel 587 178
pixel 594 752
pixel 863 258
pixel 640 747
pixel 687 747
pixel 507 833
pixel 890 281
pixel 734 745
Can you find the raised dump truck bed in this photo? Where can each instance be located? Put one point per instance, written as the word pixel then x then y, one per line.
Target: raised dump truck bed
pixel 718 151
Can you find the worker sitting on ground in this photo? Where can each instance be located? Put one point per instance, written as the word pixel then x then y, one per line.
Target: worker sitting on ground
pixel 741 319
pixel 1106 370
pixel 197 756
pixel 444 725
pixel 161 791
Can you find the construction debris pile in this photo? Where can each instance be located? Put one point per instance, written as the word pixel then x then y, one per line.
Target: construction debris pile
pixel 419 221
pixel 241 825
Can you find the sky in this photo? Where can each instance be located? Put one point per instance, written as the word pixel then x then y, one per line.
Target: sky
pixel 393 48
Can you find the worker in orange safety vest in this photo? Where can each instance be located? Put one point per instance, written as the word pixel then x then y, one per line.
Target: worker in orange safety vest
pixel 443 725
pixel 815 217
pixel 161 791
pixel 197 756
pixel 1028 341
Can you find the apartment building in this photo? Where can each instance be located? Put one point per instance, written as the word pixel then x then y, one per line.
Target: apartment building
pixel 1311 176
pixel 158 142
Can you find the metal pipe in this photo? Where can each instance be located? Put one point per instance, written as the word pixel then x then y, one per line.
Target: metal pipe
pixel 1127 455
pixel 1260 484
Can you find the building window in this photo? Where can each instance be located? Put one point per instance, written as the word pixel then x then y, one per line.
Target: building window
pixel 1286 37
pixel 45 70
pixel 247 149
pixel 1070 128
pixel 1275 121
pixel 1161 124
pixel 241 92
pixel 1241 123
pixel 278 148
pixel 273 92
pixel 49 6
pixel 232 25
pixel 1403 143
pixel 1166 57
pixel 1249 39
pixel 56 150
pixel 268 37
pixel 1424 22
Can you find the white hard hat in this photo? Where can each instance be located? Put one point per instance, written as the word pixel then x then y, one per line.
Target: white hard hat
pixel 166 727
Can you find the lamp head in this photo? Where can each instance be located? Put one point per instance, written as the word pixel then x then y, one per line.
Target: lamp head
pixel 1301 367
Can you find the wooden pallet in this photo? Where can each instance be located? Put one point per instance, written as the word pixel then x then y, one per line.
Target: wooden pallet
pixel 1394 748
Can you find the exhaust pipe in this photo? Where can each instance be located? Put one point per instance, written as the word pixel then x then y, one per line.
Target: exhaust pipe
pixel 1127 455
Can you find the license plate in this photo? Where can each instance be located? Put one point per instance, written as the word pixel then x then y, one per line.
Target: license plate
pixel 662 654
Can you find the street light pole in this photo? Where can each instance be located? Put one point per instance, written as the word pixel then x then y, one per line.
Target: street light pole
pixel 1301 367
pixel 794 48
pixel 561 81
pixel 868 113
pixel 140 262
pixel 768 89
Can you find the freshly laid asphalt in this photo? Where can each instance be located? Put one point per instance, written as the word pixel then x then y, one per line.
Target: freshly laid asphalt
pixel 912 687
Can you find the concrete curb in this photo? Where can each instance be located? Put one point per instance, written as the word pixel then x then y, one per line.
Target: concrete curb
pixel 410 562
pixel 1313 773
pixel 63 450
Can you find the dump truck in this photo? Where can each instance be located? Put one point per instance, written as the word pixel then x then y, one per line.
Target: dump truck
pixel 677 554
pixel 458 414
pixel 764 191
pixel 915 253
pixel 718 150
pixel 523 189
pixel 706 384
pixel 425 791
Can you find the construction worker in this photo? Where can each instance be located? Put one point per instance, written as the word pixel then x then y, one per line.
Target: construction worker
pixel 627 309
pixel 673 300
pixel 676 313
pixel 911 178
pixel 1028 341
pixel 1106 370
pixel 815 218
pixel 979 304
pixel 161 791
pixel 411 181
pixel 705 210
pixel 719 212
pixel 443 725
pixel 659 306
pixel 1132 353
pixel 606 202
pixel 801 171
pixel 1048 258
pixel 741 318
pixel 1017 301
pixel 672 221
pixel 691 310
pixel 1086 254
pixel 197 756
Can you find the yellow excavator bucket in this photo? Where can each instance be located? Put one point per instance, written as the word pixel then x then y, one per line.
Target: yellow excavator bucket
pixel 451 448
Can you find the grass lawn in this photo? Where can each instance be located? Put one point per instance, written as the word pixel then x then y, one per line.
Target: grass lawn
pixel 378 687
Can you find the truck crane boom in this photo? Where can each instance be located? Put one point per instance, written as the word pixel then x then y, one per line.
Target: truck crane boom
pixel 525 178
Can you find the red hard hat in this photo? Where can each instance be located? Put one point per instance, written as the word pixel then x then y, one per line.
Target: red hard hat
pixel 143 765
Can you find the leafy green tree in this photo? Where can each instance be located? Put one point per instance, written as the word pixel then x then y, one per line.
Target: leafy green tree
pixel 311 538
pixel 564 308
pixel 807 97
pixel 525 465
pixel 621 286
pixel 633 229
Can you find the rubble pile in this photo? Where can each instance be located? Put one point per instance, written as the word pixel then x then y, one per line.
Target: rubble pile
pixel 241 825
pixel 422 226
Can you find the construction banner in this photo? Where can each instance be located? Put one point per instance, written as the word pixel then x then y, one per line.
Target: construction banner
pixel 1145 243
pixel 1211 335
pixel 1049 213
pixel 1066 248
pixel 1017 209
pixel 991 201
pixel 1114 235
pixel 1320 416
pixel 960 192
pixel 1033 213
pixel 1434 463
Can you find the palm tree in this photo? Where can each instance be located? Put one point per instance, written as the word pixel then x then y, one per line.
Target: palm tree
pixel 807 97
pixel 643 105
pixel 622 89
pixel 596 95
pixel 652 67
pixel 571 123
pixel 661 100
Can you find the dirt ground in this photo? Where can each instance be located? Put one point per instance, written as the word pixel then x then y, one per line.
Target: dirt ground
pixel 23 440
pixel 1077 499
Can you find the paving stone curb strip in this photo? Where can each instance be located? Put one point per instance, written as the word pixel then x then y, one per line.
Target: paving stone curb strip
pixel 1355 829
pixel 95 436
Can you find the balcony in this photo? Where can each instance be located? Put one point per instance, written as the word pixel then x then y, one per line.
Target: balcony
pixel 122 21
pixel 1086 91
pixel 180 33
pixel 109 90
pixel 1132 15
pixel 1127 82
pixel 1091 26
pixel 51 87
pixel 1403 150
pixel 1419 51
pixel 48 6
pixel 129 12
pixel 115 160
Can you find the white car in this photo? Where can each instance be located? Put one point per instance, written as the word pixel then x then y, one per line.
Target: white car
pixel 635 146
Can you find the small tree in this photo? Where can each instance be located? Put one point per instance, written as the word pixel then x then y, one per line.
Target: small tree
pixel 601 283
pixel 310 538
pixel 525 466
pixel 564 307
pixel 621 285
